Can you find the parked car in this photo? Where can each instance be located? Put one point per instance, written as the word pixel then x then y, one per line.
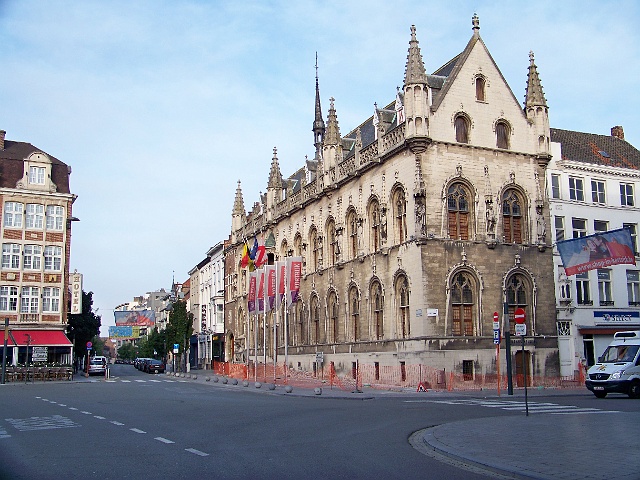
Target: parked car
pixel 154 366
pixel 97 365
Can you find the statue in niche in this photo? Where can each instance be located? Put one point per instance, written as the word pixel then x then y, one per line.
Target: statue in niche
pixel 421 217
pixel 541 227
pixel 491 219
pixel 383 225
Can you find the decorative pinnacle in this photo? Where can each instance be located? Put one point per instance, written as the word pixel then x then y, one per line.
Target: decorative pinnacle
pixel 475 21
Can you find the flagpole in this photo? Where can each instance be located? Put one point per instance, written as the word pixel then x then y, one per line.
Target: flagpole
pixel 255 348
pixel 286 326
pixel 275 322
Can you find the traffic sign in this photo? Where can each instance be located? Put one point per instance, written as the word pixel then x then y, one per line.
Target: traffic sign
pixel 89 345
pixel 496 337
pixel 496 317
pixel 519 315
pixel 496 321
pixel 521 329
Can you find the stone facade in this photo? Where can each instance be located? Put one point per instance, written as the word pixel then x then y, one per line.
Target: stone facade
pixel 414 228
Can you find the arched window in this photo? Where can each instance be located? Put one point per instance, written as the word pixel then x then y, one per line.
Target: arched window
pixel 400 214
pixel 458 206
pixel 332 243
pixel 480 84
pixel 334 321
pixel 518 291
pixel 315 320
pixel 502 134
pixel 297 245
pixel 314 245
pixel 402 296
pixel 512 212
pixel 284 248
pixel 462 304
pixel 374 222
pixel 377 313
pixel 297 319
pixel 352 231
pixel 354 313
pixel 461 125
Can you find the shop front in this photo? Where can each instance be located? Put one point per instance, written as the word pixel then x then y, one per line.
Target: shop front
pixel 38 346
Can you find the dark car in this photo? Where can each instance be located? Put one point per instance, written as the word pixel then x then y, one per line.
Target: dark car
pixel 154 366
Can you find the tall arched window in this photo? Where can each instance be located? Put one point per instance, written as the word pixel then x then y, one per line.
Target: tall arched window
pixel 332 243
pixel 374 222
pixel 502 134
pixel 512 213
pixel 354 313
pixel 314 245
pixel 315 320
pixel 377 312
pixel 334 321
pixel 400 214
pixel 480 84
pixel 297 245
pixel 402 296
pixel 462 304
pixel 458 206
pixel 518 291
pixel 461 125
pixel 352 231
pixel 297 319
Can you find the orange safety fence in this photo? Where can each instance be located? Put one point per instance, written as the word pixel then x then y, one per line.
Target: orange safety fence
pixel 390 377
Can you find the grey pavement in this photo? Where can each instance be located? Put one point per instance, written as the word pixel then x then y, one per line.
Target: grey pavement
pixel 590 445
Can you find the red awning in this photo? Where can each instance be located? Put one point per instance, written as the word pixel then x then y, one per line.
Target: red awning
pixel 45 338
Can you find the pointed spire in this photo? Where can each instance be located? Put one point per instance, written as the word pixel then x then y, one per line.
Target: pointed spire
pixel 318 123
pixel 414 70
pixel 332 136
pixel 534 96
pixel 238 203
pixel 475 21
pixel 275 176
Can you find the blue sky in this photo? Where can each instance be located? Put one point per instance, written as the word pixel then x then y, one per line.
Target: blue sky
pixel 160 107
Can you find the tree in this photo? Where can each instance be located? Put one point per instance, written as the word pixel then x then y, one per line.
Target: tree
pixel 127 351
pixel 84 327
pixel 153 345
pixel 180 326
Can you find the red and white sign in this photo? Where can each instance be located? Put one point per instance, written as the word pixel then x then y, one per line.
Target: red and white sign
pixel 519 315
pixel 496 321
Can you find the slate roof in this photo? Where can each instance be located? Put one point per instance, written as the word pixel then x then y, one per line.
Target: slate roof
pixel 12 166
pixel 596 149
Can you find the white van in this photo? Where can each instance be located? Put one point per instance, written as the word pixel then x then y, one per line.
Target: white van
pixel 618 368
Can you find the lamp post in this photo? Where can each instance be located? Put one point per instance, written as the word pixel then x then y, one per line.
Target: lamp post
pixel 26 373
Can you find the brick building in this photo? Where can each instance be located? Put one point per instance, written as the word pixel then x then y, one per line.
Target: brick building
pixel 414 228
pixel 36 207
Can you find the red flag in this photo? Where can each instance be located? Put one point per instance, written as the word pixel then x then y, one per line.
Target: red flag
pixel 294 274
pixel 270 271
pixel 251 299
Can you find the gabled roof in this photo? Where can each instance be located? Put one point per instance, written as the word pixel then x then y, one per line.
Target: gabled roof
pixel 12 166
pixel 596 149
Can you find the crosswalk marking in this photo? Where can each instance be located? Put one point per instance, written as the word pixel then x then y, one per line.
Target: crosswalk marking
pixel 197 452
pixel 41 423
pixel 520 406
pixel 137 430
pixel 163 440
pixel 116 423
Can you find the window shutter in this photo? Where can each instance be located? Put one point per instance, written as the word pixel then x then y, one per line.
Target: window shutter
pixel 453 226
pixel 464 226
pixel 517 230
pixel 507 229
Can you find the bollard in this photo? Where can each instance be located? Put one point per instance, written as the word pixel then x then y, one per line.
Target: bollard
pixel 272 386
pixel 258 385
pixel 234 381
pixel 245 383
pixel 225 380
pixel 288 389
pixel 215 379
pixel 317 391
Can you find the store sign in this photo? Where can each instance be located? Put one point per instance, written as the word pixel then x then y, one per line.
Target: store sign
pixel 39 354
pixel 615 317
pixel 76 293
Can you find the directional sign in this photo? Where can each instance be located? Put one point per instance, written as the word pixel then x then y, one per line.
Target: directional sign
pixel 521 329
pixel 176 348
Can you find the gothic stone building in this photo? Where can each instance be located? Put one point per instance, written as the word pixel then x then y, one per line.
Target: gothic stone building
pixel 414 228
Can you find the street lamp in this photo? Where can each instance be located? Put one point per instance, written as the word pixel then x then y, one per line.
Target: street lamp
pixel 26 373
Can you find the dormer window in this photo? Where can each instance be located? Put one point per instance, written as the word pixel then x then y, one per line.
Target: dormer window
pixel 36 175
pixel 461 125
pixel 502 134
pixel 480 85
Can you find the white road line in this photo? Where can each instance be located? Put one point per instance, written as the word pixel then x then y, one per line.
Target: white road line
pixel 116 423
pixel 169 381
pixel 62 404
pixel 73 408
pixel 585 410
pixel 197 452
pixel 99 417
pixel 125 381
pixel 137 430
pixel 155 381
pixel 163 440
pixel 87 413
pixel 141 381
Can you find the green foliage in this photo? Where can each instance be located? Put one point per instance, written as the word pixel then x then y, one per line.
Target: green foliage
pixel 127 351
pixel 84 327
pixel 180 326
pixel 153 346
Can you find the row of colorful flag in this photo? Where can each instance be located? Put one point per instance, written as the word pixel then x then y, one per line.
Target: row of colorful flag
pixel 270 286
pixel 253 257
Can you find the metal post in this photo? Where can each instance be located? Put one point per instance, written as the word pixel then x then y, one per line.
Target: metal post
pixel 507 341
pixel 4 350
pixel 524 369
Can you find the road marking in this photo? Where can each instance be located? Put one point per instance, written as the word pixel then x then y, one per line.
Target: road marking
pixel 62 404
pixel 519 406
pixel 4 433
pixel 197 452
pixel 87 413
pixel 141 381
pixel 73 408
pixel 163 440
pixel 41 423
pixel 125 381
pixel 155 381
pixel 116 423
pixel 137 430
pixel 169 381
pixel 99 417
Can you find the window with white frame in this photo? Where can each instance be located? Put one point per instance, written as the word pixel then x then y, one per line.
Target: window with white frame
pixel 29 300
pixel 36 175
pixel 597 191
pixel 633 230
pixel 604 287
pixel 32 257
pixel 35 216
pixel 559 224
pixel 626 194
pixel 576 189
pixel 633 287
pixel 52 258
pixel 55 217
pixel 579 227
pixel 13 214
pixel 10 255
pixel 8 298
pixel 555 185
pixel 600 226
pixel 51 299
pixel 583 295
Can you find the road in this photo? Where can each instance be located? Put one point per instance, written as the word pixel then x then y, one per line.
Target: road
pixel 143 426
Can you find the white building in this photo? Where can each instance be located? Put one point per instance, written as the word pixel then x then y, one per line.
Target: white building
pixel 592 185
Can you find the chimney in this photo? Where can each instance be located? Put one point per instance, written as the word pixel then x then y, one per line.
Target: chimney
pixel 2 134
pixel 617 132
